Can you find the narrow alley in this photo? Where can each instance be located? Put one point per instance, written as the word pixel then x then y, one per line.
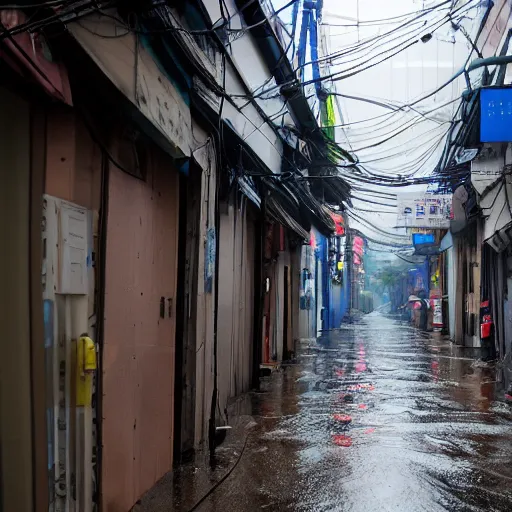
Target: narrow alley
pixel 382 417
pixel 257 255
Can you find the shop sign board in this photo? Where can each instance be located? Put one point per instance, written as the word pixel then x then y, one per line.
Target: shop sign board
pixel 431 211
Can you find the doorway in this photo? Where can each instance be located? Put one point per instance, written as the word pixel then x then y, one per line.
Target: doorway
pixel 186 315
pixel 17 433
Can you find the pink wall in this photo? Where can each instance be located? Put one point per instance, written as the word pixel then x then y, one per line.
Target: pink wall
pixel 73 160
pixel 139 349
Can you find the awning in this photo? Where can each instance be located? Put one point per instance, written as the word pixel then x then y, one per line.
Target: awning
pixel 248 188
pixel 280 215
pixel 339 222
pixel 158 106
pixel 446 242
pixel 311 208
pixel 426 250
pixel 29 55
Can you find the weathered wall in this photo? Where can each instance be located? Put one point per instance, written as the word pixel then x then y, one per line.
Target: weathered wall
pixel 73 173
pixel 236 301
pixel 138 352
pixel 205 311
pixel 450 278
pixel 150 90
pixel 250 65
pixel 73 160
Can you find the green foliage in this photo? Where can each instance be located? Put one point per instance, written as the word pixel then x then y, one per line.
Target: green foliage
pixel 387 277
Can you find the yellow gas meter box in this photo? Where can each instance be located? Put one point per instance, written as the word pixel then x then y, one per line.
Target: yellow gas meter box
pixel 86 366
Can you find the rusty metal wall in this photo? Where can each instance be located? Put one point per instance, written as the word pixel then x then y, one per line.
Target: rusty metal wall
pixel 138 351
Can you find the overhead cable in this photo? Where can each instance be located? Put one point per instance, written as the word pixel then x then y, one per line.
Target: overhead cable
pixel 337 76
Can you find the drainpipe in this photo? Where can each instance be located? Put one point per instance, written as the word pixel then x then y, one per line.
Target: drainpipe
pixel 499 60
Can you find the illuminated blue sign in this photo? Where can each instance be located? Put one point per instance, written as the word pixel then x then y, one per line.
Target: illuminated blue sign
pixel 421 239
pixel 496 114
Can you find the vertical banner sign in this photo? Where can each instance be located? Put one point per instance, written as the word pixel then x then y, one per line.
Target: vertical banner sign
pixel 209 260
pixel 339 223
pixel 437 308
pixel 312 240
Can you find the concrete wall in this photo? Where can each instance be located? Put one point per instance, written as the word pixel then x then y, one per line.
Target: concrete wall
pixel 450 278
pixel 249 63
pixel 138 351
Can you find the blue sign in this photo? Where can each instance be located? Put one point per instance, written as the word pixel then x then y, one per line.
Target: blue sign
pixel 209 259
pixel 496 114
pixel 421 239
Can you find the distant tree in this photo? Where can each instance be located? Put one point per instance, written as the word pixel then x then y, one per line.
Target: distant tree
pixel 387 278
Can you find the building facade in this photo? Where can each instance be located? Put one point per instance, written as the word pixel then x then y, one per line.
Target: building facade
pixel 156 249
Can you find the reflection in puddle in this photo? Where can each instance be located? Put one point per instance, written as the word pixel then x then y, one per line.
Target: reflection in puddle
pixel 383 419
pixel 342 440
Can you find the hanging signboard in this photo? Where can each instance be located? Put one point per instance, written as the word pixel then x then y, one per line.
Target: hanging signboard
pixel 423 238
pixel 358 245
pixel 421 231
pixel 495 114
pixel 339 223
pixel 312 240
pixel 430 211
pixel 436 303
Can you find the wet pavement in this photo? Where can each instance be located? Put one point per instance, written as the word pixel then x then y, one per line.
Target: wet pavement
pixel 376 417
